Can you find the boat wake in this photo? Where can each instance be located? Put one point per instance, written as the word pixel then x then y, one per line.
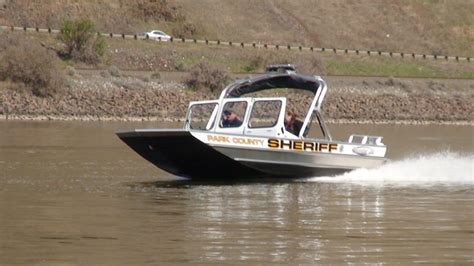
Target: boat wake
pixel 435 169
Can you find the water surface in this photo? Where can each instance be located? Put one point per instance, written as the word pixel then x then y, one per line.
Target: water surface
pixel 72 193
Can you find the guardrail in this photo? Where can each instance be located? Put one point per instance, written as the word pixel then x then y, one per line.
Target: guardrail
pixel 260 45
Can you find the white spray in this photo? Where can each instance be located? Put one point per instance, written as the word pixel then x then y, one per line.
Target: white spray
pixel 434 169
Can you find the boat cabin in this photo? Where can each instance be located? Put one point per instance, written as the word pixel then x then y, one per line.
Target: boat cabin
pixel 241 116
pixel 233 113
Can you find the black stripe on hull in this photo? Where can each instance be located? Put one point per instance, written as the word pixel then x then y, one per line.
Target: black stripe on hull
pixel 181 154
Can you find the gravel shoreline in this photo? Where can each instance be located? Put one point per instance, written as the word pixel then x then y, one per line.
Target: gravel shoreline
pixel 155 119
pixel 355 100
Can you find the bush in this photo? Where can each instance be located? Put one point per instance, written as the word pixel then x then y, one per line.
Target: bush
pixel 114 71
pixel 145 79
pixel 132 84
pixel 180 67
pixel 71 71
pixel 184 30
pixel 309 63
pixel 105 74
pixel 156 75
pixel 153 9
pixel 203 75
pixel 254 64
pixel 80 41
pixel 28 63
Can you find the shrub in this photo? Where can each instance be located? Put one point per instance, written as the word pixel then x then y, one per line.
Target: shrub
pixel 153 9
pixel 254 64
pixel 390 82
pixel 105 74
pixel 80 41
pixel 114 71
pixel 305 63
pixel 156 75
pixel 16 86
pixel 204 75
pixel 180 67
pixel 71 71
pixel 99 46
pixel 28 63
pixel 132 84
pixel 184 29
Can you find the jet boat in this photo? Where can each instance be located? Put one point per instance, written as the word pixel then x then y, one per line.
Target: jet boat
pixel 259 144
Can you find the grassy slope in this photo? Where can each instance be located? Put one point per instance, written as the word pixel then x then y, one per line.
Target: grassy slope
pixel 396 67
pixel 155 56
pixel 422 26
pixel 238 59
pixel 443 26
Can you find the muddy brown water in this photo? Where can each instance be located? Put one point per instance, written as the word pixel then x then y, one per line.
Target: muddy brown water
pixel 72 193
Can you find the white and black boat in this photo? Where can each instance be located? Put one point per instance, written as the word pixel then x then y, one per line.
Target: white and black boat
pixel 258 143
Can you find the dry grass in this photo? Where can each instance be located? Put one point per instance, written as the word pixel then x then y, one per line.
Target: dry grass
pixel 110 15
pixel 30 66
pixel 154 56
pixel 144 55
pixel 206 76
pixel 150 55
pixel 408 26
pixel 420 26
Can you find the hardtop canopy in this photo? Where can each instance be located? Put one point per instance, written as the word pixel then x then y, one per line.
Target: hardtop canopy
pixel 273 81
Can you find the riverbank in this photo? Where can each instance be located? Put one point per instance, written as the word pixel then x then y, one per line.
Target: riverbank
pixel 156 119
pixel 92 97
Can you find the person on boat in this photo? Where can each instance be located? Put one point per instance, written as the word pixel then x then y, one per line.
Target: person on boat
pixel 292 124
pixel 231 119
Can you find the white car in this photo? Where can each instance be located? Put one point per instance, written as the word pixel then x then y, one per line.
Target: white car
pixel 157 35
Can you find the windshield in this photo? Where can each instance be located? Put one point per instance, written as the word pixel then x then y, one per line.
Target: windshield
pixel 201 116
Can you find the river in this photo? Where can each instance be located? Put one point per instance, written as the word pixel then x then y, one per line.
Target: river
pixel 72 193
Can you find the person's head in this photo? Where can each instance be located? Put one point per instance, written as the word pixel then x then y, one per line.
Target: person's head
pixel 289 118
pixel 230 115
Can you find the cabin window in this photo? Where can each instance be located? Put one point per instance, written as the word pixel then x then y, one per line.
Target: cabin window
pixel 233 114
pixel 201 115
pixel 264 114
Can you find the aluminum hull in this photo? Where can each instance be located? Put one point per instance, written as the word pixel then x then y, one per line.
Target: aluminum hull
pixel 180 153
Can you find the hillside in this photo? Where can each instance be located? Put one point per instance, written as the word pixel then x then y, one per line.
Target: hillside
pixel 420 26
pixel 403 25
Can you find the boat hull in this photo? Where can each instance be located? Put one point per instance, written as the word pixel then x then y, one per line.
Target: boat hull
pixel 180 153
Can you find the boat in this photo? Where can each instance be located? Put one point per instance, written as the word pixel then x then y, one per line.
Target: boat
pixel 259 144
